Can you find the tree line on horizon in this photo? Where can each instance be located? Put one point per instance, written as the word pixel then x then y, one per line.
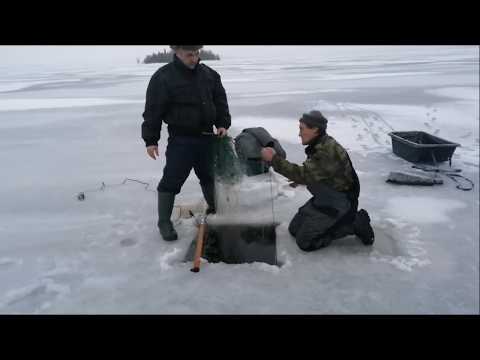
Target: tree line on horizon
pixel 167 56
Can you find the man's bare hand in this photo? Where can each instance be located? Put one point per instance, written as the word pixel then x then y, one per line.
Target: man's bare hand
pixel 152 151
pixel 221 132
pixel 268 153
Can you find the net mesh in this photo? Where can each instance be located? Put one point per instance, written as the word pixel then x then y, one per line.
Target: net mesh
pixel 228 168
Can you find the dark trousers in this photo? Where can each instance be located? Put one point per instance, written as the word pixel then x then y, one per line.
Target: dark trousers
pixel 314 228
pixel 184 153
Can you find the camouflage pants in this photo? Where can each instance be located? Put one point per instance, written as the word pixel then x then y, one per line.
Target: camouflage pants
pixel 315 227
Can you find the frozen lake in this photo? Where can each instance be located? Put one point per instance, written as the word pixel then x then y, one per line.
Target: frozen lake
pixel 66 129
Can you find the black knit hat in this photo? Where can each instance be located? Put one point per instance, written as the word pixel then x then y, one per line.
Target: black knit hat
pixel 314 118
pixel 186 47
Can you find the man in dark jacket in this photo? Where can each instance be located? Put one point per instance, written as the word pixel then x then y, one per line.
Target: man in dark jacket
pixel 189 97
pixel 329 175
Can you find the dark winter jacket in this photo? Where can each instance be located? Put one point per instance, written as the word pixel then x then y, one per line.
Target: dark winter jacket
pixel 328 173
pixel 189 101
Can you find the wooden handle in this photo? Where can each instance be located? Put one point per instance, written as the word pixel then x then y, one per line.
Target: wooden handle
pixel 199 247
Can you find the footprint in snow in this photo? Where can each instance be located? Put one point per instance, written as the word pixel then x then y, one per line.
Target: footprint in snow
pixel 128 242
pixel 34 298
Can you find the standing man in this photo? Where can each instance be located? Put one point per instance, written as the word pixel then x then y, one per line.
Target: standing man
pixel 329 175
pixel 189 97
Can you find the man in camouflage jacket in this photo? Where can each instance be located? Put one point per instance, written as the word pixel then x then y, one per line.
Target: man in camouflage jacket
pixel 329 175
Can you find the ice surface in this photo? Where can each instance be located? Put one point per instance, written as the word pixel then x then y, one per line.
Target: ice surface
pixel 415 209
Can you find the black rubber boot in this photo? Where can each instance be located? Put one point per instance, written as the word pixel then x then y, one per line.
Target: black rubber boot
pixel 342 231
pixel 209 195
pixel 165 207
pixel 295 224
pixel 362 227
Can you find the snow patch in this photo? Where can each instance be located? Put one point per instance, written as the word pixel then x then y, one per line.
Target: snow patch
pixel 403 263
pixel 165 260
pixel 273 269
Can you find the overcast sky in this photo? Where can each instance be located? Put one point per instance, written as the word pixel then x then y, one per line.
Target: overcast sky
pixel 101 54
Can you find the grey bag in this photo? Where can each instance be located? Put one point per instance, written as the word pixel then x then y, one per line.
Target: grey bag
pixel 248 145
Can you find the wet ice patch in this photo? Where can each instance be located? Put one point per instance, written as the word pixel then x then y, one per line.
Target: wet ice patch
pixel 56 103
pixel 228 80
pixel 10 261
pixel 423 210
pixel 8 86
pixel 35 297
pixel 286 93
pixel 458 92
pixel 372 75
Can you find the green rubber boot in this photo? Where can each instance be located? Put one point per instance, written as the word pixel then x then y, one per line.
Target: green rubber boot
pixel 165 207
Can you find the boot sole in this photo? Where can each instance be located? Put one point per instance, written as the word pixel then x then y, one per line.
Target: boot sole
pixel 367 235
pixel 170 239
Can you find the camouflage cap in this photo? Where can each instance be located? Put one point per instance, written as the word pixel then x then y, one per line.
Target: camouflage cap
pixel 186 47
pixel 314 118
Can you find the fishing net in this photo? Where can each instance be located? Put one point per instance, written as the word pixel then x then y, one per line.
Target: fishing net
pixel 227 167
pixel 243 228
pixel 228 174
pixel 238 197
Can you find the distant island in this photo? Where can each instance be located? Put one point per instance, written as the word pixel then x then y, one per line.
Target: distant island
pixel 167 56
